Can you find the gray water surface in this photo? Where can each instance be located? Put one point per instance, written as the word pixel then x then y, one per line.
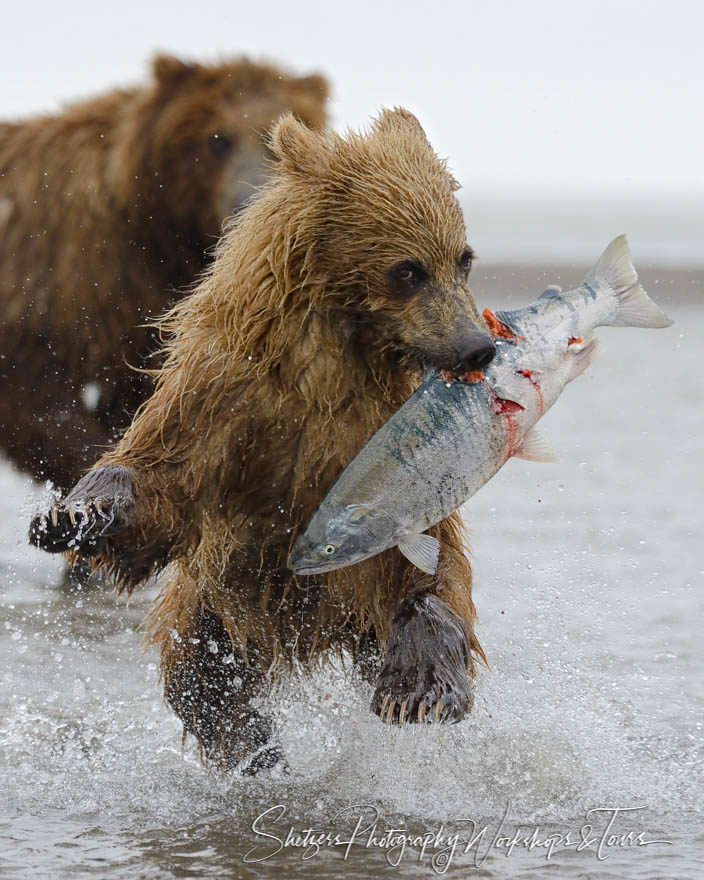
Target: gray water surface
pixel 589 579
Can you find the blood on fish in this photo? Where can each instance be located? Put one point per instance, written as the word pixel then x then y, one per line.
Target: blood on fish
pixel 473 376
pixel 512 438
pixel 502 406
pixel 538 390
pixel 507 408
pixel 573 340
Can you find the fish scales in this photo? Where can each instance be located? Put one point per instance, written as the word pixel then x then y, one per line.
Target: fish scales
pixel 418 460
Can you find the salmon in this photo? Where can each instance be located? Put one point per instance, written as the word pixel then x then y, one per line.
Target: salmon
pixel 455 432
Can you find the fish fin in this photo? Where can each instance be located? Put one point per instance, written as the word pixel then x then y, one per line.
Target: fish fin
pixel 583 354
pixel 551 292
pixel 422 550
pixel 536 448
pixel 615 270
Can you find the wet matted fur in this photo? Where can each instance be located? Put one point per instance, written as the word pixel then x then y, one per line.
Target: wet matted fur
pixel 291 352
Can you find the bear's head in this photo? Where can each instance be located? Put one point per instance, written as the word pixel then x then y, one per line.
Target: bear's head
pixel 196 147
pixel 389 237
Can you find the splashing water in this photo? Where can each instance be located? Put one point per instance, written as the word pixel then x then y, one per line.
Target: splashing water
pixel 588 587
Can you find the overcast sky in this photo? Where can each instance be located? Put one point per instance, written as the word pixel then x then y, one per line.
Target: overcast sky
pixel 546 93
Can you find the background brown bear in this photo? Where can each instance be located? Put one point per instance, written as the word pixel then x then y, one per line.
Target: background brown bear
pixel 328 291
pixel 106 211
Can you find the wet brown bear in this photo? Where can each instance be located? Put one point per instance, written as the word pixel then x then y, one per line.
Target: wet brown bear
pixel 306 333
pixel 105 210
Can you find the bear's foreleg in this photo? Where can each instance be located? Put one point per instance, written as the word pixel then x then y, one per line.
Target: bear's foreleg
pixel 429 661
pixel 101 504
pixel 117 516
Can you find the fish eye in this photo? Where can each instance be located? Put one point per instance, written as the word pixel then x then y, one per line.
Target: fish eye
pixel 329 549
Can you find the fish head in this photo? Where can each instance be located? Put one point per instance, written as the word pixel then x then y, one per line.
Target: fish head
pixel 335 540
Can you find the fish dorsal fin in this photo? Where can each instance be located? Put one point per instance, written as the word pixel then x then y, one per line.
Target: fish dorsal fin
pixel 422 550
pixel 536 448
pixel 551 292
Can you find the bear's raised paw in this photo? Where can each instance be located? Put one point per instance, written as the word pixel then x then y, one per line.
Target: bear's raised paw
pixel 100 504
pixel 424 678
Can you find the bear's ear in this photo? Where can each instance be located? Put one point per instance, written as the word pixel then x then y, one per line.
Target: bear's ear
pixel 169 70
pixel 399 120
pixel 315 86
pixel 300 149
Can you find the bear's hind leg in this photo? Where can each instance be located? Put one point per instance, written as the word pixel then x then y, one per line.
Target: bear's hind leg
pixel 210 687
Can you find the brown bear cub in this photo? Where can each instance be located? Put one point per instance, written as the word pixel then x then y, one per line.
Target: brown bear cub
pixel 327 293
pixel 105 211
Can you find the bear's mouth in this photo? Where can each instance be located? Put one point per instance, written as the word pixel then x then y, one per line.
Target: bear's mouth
pixel 450 364
pixel 468 351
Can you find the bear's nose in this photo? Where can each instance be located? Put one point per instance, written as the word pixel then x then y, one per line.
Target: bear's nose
pixel 475 351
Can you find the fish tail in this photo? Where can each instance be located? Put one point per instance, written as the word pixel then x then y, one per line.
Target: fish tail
pixel 634 307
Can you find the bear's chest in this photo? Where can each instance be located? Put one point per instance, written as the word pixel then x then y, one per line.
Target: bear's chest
pixel 295 458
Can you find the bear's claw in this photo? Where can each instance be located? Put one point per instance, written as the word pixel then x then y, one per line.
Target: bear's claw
pixel 423 678
pixel 101 504
pixel 424 711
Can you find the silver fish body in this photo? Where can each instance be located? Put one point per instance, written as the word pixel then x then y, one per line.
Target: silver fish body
pixel 450 437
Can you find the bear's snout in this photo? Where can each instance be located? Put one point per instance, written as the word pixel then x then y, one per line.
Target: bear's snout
pixel 474 349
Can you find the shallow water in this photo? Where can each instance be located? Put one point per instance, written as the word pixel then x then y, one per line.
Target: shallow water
pixel 589 579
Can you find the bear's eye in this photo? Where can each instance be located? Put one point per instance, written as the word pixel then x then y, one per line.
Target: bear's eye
pixel 219 144
pixel 465 261
pixel 406 277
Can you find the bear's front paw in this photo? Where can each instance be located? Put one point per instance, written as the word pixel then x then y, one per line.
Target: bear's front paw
pixel 424 675
pixel 100 504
